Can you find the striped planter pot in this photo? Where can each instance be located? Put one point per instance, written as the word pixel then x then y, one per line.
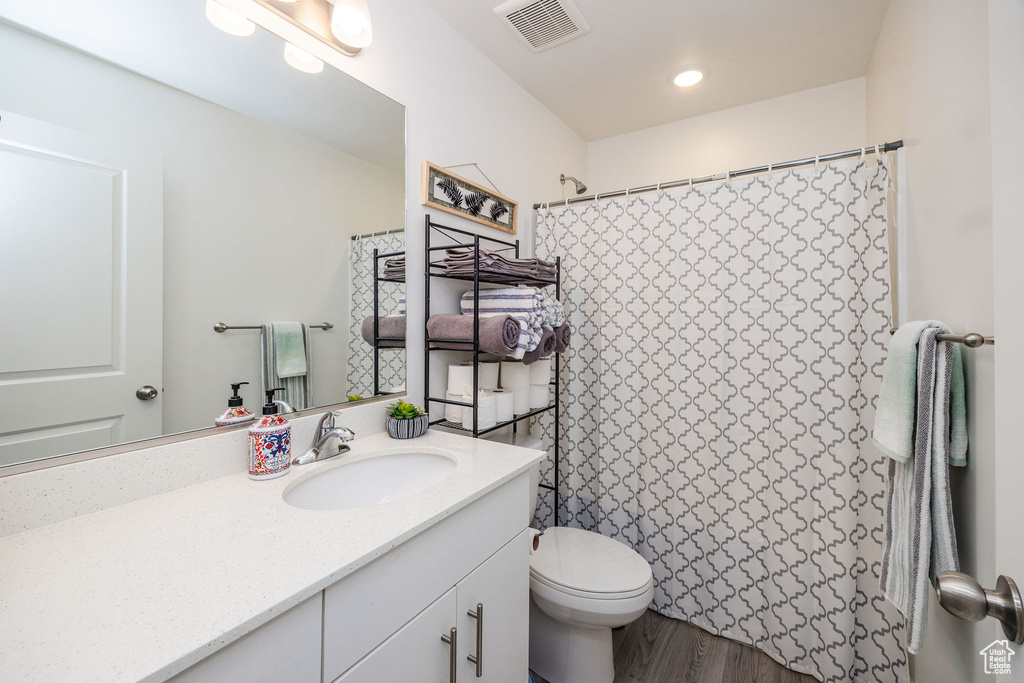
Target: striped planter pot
pixel 408 429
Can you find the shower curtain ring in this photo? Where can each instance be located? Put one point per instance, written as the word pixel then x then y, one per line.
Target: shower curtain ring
pixel 817 161
pixel 878 154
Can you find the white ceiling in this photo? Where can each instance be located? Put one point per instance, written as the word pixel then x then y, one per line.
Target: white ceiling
pixel 173 43
pixel 615 79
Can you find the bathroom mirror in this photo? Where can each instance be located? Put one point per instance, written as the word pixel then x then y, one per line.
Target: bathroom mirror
pixel 159 177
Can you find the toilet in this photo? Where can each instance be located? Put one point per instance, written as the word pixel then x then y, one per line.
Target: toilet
pixel 582 585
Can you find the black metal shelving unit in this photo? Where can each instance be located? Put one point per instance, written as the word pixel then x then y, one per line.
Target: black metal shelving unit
pixel 377 339
pixel 432 270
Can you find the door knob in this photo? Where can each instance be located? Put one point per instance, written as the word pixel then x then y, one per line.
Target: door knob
pixel 963 597
pixel 146 392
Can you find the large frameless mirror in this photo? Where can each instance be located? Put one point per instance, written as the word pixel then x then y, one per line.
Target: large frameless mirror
pixel 182 210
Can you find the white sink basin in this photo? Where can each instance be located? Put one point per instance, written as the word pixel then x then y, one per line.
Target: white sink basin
pixel 375 480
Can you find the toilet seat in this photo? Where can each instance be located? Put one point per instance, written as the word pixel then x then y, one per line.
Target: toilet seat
pixel 588 565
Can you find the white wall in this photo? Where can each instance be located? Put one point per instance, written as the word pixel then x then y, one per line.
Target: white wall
pixel 256 220
pixel 818 121
pixel 928 83
pixel 481 116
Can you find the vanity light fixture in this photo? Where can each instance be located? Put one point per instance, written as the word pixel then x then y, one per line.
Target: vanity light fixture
pixel 689 75
pixel 342 25
pixel 228 20
pixel 350 23
pixel 302 60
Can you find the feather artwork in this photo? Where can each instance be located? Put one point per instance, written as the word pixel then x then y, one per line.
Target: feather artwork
pixel 498 209
pixel 475 202
pixel 451 190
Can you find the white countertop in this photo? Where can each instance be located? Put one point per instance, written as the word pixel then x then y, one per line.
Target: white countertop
pixel 142 591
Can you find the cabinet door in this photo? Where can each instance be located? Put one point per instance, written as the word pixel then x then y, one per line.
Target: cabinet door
pixel 415 653
pixel 501 585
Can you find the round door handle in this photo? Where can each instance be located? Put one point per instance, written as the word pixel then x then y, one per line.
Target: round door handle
pixel 962 596
pixel 146 392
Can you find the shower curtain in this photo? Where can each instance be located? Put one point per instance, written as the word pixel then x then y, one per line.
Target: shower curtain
pixel 360 354
pixel 717 398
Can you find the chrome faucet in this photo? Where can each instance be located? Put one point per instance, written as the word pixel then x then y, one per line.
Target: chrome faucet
pixel 328 441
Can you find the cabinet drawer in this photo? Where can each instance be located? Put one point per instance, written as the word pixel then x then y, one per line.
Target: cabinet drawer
pixel 365 608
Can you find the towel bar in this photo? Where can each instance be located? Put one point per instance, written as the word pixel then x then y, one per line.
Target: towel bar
pixel 971 340
pixel 220 327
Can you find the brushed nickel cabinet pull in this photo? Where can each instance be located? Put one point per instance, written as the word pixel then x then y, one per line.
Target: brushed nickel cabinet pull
pixel 453 658
pixel 478 658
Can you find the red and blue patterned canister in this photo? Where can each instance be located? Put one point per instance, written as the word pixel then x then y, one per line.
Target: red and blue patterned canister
pixel 270 447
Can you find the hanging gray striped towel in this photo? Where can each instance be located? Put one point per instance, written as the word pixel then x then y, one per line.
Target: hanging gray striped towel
pixel 298 389
pixel 921 424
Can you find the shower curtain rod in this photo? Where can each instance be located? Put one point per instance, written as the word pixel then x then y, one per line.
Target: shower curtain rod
pixel 887 147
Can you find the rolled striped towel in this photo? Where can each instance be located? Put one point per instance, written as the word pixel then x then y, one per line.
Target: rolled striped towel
pixel 543 350
pixel 524 304
pixel 554 314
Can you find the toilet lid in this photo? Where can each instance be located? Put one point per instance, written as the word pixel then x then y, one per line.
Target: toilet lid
pixel 585 562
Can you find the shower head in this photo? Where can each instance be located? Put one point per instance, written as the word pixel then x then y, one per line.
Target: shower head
pixel 580 187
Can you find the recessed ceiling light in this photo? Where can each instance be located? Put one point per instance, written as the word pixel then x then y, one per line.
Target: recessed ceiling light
pixel 689 75
pixel 302 60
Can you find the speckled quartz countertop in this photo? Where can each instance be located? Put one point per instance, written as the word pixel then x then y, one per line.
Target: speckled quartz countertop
pixel 142 591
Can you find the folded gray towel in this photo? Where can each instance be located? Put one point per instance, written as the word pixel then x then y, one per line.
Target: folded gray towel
pixel 391 326
pixel 460 261
pixel 562 334
pixel 498 334
pixel 545 348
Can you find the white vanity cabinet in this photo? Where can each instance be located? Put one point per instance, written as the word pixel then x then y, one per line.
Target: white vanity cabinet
pixel 482 552
pixel 383 623
pixel 495 645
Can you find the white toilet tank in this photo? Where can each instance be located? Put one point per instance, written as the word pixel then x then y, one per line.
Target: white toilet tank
pixel 526 440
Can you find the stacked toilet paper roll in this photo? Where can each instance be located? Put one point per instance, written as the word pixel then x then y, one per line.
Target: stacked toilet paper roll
pixel 488 374
pixel 540 371
pixel 453 413
pixel 460 378
pixel 514 374
pixel 515 377
pixel 539 396
pixel 486 411
pixel 505 401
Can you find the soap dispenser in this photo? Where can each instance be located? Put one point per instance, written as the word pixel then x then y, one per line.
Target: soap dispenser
pixel 270 442
pixel 236 413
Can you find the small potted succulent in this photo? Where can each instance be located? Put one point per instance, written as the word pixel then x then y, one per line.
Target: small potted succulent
pixel 406 421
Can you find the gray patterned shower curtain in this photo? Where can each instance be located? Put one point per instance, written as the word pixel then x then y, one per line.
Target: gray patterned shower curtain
pixel 360 354
pixel 726 356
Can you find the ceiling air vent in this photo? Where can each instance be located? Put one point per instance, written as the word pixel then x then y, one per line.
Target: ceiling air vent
pixel 542 24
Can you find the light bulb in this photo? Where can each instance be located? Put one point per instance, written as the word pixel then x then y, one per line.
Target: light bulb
pixel 228 20
pixel 688 76
pixel 350 23
pixel 302 60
